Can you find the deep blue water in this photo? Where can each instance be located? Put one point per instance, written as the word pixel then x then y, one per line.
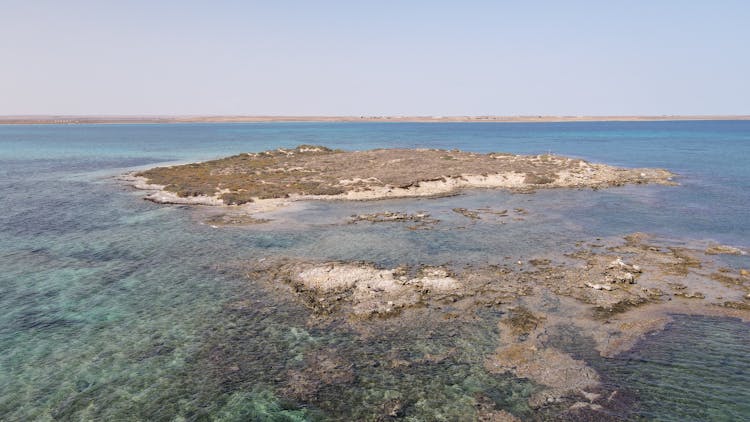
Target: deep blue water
pixel 110 304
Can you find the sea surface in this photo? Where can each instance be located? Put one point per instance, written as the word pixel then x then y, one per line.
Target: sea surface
pixel 115 308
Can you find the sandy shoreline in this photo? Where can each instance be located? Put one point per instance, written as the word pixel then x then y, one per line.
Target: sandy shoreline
pixel 67 119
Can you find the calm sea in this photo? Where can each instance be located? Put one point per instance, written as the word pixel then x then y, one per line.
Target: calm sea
pixel 116 308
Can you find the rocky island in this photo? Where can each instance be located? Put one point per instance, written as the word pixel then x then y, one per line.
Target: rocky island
pixel 607 293
pixel 276 177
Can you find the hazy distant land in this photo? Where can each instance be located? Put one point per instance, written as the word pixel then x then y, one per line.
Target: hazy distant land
pixel 63 119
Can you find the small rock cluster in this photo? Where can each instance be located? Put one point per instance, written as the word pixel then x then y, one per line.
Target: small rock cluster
pixel 422 219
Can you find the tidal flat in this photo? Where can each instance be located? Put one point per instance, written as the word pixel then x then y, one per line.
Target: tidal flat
pixel 624 302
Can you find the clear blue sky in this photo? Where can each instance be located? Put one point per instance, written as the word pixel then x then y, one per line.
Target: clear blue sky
pixel 374 57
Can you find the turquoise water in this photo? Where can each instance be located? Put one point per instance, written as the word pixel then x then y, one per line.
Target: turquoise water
pixel 118 308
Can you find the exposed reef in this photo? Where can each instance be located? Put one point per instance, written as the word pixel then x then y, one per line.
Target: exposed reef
pixel 271 178
pixel 614 294
pixel 419 221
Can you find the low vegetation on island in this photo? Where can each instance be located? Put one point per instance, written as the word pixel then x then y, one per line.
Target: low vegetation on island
pixel 318 172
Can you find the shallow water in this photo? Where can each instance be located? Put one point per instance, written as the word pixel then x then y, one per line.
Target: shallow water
pixel 114 307
pixel 663 372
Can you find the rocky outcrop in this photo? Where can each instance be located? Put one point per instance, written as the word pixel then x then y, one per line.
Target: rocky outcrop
pixel 645 285
pixel 317 172
pixel 361 290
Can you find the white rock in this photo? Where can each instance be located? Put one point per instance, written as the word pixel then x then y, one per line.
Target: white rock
pixel 617 263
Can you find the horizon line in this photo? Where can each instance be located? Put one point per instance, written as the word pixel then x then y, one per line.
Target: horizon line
pixel 239 118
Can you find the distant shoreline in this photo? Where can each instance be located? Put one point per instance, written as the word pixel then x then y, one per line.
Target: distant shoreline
pixel 62 119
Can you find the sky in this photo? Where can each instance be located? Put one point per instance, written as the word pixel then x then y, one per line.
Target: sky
pixel 381 57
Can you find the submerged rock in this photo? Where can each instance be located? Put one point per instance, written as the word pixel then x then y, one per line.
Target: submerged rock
pixel 320 368
pixel 558 371
pixel 421 219
pixel 723 249
pixel 233 220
